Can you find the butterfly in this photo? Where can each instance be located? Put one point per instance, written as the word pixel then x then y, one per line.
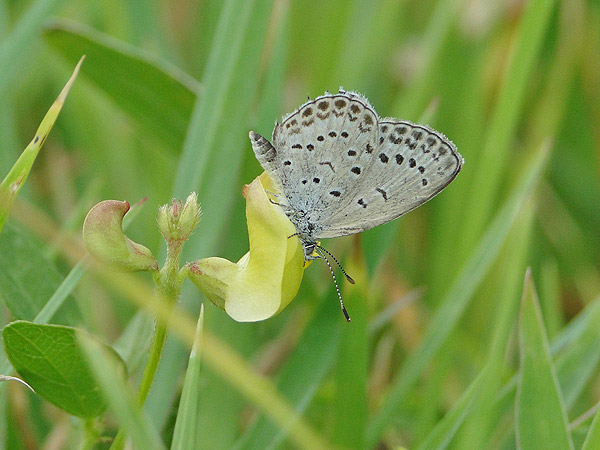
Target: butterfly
pixel 342 169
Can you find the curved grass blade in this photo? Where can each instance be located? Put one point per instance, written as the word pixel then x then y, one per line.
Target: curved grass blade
pixel 575 353
pixel 495 154
pixel 12 183
pixel 444 431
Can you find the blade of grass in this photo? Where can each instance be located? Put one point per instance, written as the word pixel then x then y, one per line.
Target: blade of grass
pixel 510 269
pixel 496 151
pixel 592 439
pixel 302 375
pixel 14 180
pixel 15 48
pixel 366 33
pixel 419 95
pixel 574 349
pixel 186 426
pixel 157 95
pixel 541 420
pixel 61 294
pixel 350 397
pixel 209 111
pixel 441 436
pixel 458 296
pixel 119 396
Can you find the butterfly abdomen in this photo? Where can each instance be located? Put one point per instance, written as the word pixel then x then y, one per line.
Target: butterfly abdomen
pixel 263 149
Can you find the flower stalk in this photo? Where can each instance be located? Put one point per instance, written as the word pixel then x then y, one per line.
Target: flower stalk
pixel 257 287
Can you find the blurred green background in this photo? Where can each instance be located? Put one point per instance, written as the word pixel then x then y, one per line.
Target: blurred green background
pixel 163 106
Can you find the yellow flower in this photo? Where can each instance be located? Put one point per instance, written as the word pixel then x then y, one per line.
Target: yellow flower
pixel 267 278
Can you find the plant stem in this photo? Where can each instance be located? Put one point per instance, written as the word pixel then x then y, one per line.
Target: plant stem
pixel 168 286
pixel 90 434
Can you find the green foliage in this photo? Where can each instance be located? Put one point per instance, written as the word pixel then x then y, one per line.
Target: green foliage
pixel 25 288
pixel 437 354
pixel 157 96
pixel 541 420
pixel 49 358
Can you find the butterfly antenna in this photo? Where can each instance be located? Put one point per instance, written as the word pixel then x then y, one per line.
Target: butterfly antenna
pixel 324 256
pixel 348 277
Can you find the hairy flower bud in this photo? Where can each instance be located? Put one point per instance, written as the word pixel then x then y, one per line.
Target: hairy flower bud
pixel 177 221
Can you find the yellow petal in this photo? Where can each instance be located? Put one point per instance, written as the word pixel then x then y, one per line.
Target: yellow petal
pixel 265 279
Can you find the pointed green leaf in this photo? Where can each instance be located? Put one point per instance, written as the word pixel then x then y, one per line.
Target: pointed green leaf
pixel 11 185
pixel 186 426
pixel 48 358
pixel 541 421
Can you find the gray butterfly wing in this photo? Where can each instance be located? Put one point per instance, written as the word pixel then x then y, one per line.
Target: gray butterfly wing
pixel 411 164
pixel 344 171
pixel 317 152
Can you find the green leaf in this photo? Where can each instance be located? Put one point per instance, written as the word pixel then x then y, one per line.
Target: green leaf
pixel 575 350
pixel 157 95
pixel 510 267
pixel 541 421
pixel 186 426
pixel 13 182
pixel 435 38
pixel 49 359
pixel 27 278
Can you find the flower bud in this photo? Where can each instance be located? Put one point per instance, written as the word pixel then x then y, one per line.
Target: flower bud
pixel 104 238
pixel 177 221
